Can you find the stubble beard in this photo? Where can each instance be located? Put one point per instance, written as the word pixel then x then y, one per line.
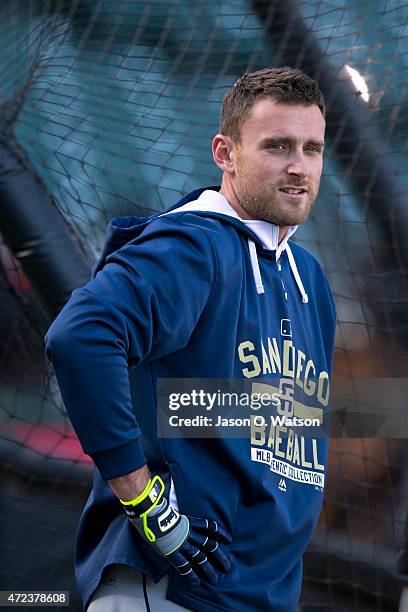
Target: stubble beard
pixel 263 202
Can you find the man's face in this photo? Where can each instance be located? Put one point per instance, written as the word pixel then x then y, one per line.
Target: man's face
pixel 278 162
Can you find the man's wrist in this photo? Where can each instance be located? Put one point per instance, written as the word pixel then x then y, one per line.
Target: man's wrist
pixel 131 485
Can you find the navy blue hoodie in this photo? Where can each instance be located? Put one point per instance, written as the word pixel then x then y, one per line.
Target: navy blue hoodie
pixel 199 293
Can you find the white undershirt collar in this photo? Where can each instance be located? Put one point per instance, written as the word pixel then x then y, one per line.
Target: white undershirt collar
pixel 268 233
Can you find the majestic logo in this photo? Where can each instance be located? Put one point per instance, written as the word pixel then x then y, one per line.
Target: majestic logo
pixel 286 328
pixel 282 485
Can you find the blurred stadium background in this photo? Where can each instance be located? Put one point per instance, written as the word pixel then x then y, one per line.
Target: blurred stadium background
pixel 108 108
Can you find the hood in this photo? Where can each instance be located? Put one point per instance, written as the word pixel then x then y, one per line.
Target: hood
pixel 210 203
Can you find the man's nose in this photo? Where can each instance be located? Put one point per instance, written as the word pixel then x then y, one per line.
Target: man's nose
pixel 297 164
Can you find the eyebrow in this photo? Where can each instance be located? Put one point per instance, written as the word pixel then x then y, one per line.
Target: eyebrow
pixel 286 140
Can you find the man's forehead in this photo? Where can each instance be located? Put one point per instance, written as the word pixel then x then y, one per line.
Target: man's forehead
pixel 267 117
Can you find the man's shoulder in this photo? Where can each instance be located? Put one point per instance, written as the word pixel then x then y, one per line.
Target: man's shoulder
pixel 309 266
pixel 212 225
pixel 304 257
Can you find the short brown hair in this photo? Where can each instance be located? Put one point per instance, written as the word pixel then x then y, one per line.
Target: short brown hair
pixel 280 84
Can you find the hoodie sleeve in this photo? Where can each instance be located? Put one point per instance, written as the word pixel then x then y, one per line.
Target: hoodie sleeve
pixel 143 305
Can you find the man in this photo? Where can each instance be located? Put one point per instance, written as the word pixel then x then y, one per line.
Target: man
pixel 209 289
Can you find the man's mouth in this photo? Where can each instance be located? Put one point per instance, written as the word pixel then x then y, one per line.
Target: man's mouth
pixel 293 190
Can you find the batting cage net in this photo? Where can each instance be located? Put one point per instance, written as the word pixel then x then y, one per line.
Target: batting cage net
pixel 108 108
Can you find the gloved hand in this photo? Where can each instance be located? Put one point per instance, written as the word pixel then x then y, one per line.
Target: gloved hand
pixel 190 544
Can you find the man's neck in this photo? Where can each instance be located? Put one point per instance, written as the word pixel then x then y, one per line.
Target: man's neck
pixel 228 192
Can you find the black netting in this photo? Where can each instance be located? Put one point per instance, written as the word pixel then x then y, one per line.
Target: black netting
pixel 114 104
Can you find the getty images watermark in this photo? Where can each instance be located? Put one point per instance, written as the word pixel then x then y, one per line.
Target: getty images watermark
pixel 225 399
pixel 231 408
pixel 339 407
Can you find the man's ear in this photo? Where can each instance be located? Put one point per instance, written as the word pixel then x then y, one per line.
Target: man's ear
pixel 223 150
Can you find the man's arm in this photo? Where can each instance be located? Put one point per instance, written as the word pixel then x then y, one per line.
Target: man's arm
pixel 129 486
pixel 127 314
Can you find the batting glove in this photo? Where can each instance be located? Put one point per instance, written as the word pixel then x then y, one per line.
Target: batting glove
pixel 190 544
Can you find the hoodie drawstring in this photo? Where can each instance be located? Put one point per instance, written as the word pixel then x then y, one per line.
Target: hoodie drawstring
pixel 293 267
pixel 255 267
pixel 257 272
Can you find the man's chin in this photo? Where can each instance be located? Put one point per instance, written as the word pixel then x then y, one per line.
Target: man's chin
pixel 298 215
pixel 287 220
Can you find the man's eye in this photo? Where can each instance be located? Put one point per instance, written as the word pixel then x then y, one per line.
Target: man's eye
pixel 276 146
pixel 314 149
